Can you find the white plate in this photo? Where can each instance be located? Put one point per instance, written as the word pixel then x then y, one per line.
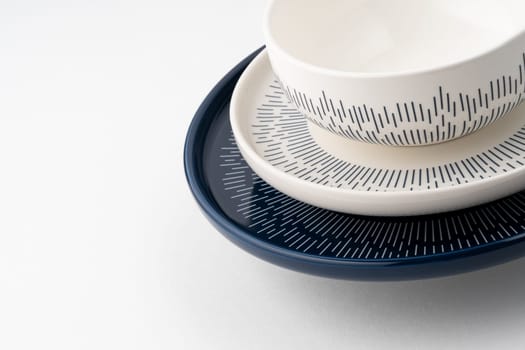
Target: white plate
pixel 314 166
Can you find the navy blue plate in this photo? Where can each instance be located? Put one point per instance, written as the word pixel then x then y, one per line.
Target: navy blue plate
pixel 295 235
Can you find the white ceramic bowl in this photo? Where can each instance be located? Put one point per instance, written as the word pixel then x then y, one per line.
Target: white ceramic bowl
pixel 404 72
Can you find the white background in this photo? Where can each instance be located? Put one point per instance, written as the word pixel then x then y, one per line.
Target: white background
pixel 101 243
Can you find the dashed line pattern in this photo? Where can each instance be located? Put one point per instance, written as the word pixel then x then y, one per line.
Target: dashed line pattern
pixel 274 217
pixel 281 131
pixel 448 116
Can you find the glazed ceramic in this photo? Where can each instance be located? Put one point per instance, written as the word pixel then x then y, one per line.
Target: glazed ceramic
pixel 281 230
pixel 399 73
pixel 310 164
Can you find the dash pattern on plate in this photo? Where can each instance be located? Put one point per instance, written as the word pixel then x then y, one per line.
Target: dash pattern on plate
pixel 282 132
pixel 274 217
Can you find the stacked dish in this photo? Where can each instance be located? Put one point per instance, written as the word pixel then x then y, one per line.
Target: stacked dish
pixel 370 108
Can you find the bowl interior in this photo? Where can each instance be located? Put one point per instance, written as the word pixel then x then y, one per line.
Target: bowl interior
pixel 365 36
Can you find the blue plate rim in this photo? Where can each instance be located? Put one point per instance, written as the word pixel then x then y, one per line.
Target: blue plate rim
pixel 194 176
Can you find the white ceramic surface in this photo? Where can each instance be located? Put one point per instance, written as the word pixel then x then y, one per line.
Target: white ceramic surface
pixel 312 165
pixel 404 72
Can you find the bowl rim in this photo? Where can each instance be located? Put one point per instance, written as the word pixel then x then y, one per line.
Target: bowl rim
pixel 273 45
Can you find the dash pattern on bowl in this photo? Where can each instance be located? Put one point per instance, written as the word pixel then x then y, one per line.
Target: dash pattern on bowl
pixel 447 115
